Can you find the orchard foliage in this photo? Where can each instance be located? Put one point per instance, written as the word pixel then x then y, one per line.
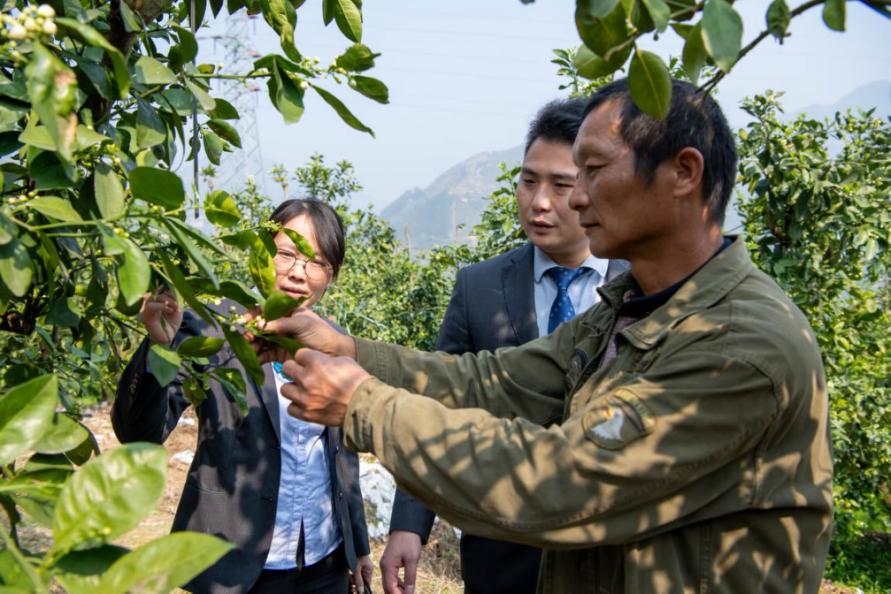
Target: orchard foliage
pixel 100 103
pixel 712 31
pixel 817 216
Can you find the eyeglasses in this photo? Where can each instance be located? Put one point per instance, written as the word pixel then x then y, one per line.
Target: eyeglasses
pixel 314 269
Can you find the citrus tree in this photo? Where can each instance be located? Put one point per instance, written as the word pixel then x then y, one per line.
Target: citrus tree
pixel 819 222
pixel 100 102
pixel 712 32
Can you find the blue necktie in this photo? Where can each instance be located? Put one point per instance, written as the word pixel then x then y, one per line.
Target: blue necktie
pixel 562 309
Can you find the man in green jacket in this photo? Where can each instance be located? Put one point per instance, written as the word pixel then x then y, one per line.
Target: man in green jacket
pixel 674 438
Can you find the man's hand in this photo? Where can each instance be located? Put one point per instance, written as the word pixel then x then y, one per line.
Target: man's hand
pixel 364 573
pixel 322 386
pixel 314 332
pixel 162 316
pixel 403 550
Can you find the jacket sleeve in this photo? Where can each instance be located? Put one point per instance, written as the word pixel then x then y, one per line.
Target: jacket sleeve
pixel 690 424
pixel 142 409
pixel 408 513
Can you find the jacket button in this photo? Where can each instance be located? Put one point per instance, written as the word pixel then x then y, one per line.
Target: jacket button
pixel 340 494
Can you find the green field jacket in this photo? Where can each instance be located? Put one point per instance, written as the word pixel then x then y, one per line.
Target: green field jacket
pixel 697 460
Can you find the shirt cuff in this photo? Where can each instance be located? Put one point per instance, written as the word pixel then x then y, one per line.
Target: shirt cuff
pixel 371 356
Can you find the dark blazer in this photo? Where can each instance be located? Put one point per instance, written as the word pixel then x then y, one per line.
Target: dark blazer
pixel 232 486
pixel 492 306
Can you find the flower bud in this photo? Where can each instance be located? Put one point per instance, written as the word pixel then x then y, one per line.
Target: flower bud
pixel 50 28
pixel 17 32
pixel 31 24
pixel 46 11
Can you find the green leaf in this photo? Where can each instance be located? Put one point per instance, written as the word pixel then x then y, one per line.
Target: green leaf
pixel 722 30
pixel 245 353
pixel 149 71
pixel 834 14
pixel 55 208
pixel 49 173
pixel 7 229
pixel 15 267
pixel 300 242
pixel 357 58
pixel 242 240
pixel 150 130
pixel 284 93
pixel 694 56
pixel 260 263
pixel 192 250
pixel 778 17
pixel 239 293
pixel 282 17
pixel 221 210
pixel 134 272
pixel 52 89
pixel 234 385
pixel 163 564
pixel 63 435
pixel 288 343
pixel 164 363
pixel 26 413
pixel 223 110
pixel 183 52
pixel 109 192
pixel 62 313
pixel 184 288
pixel 327 11
pixel 200 346
pixel 132 21
pixel 213 146
pixel 279 305
pixel 659 12
pixel 157 186
pixel 92 37
pixel 206 102
pixel 345 114
pixel 79 572
pixel 591 66
pixel 108 496
pixel 602 33
pixel 650 83
pixel 226 131
pixel 371 88
pixel 348 17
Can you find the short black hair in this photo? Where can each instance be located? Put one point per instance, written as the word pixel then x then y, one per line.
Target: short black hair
pixel 326 222
pixel 694 119
pixel 558 121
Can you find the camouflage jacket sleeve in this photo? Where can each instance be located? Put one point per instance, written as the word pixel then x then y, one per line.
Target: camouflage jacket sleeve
pixel 681 440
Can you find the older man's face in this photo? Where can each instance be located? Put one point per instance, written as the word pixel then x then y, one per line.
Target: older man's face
pixel 620 212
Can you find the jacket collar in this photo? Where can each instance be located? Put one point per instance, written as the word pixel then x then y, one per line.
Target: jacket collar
pixel 707 286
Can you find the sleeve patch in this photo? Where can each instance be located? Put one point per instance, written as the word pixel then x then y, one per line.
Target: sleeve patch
pixel 618 420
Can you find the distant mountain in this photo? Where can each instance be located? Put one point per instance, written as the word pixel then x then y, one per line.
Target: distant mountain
pixel 875 94
pixel 445 211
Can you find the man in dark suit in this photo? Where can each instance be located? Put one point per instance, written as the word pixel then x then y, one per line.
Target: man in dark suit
pixel 507 301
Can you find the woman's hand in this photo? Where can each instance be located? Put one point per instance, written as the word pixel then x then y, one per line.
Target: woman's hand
pixel 162 316
pixel 364 573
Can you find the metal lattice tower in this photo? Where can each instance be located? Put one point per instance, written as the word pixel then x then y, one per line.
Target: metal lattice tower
pixel 239 56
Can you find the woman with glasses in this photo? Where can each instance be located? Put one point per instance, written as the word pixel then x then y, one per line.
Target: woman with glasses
pixel 284 491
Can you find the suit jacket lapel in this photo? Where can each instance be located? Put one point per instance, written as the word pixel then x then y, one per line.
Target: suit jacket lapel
pixel 269 398
pixel 519 298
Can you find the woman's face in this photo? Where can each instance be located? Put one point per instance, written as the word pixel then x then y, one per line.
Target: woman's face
pixel 294 275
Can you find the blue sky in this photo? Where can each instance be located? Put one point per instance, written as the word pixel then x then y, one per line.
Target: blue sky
pixel 466 76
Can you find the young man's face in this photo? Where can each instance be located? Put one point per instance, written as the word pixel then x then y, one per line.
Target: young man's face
pixel 546 182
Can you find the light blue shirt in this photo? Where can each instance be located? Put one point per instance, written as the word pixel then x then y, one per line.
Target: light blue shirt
pixel 582 292
pixel 304 493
